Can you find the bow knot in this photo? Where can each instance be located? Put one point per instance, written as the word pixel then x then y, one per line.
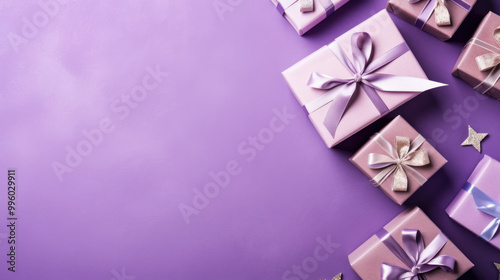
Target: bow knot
pixel 418 258
pixel 400 160
pixel 362 70
pixel 489 61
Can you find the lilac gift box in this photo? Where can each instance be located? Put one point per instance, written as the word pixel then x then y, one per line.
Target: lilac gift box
pixel 481 43
pixel 361 109
pixel 303 22
pixel 422 15
pixel 367 259
pixel 463 209
pixel 398 127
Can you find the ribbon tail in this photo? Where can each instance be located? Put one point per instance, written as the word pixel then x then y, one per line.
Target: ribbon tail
pixel 338 107
pixel 393 83
pixel 490 231
pixel 392 272
pixel 487 61
pixel 375 98
pixel 400 183
pixel 383 175
pixel 441 14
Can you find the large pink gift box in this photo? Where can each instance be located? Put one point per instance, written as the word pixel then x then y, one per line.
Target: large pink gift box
pixel 463 209
pixel 361 110
pixel 367 260
pixel 482 43
pixel 410 12
pixel 398 128
pixel 303 22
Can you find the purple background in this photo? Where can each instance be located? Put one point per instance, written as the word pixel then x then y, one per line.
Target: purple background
pixel 117 213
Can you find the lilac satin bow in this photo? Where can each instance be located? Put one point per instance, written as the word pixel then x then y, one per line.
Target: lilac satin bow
pixel 399 161
pixel 418 258
pixel 341 91
pixel 442 15
pixel 487 205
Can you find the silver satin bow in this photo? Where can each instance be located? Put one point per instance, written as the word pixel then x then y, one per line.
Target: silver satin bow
pixel 400 161
pixel 441 13
pixel 489 61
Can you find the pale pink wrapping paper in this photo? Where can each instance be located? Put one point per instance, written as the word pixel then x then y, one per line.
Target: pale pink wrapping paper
pixel 367 259
pixel 361 111
pixel 303 22
pixel 409 12
pixel 463 209
pixel 466 67
pixel 398 127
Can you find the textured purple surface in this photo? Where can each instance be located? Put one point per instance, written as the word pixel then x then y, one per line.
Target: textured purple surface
pixel 117 213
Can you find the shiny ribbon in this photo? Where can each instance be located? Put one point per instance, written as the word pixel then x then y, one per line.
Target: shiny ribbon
pixel 442 15
pixel 400 160
pixel 285 4
pixel 418 258
pixel 484 62
pixel 341 91
pixel 487 205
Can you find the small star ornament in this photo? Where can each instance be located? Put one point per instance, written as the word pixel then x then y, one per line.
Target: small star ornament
pixel 498 267
pixel 338 277
pixel 474 139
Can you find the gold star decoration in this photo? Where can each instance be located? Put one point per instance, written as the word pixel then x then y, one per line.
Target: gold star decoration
pixel 474 139
pixel 498 267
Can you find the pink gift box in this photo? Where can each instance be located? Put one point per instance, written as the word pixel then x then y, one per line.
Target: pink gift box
pixel 409 12
pixel 361 110
pixel 397 127
pixel 466 67
pixel 303 22
pixel 463 208
pixel 368 258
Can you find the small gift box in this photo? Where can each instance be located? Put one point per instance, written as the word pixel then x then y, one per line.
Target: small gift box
pixel 440 18
pixel 305 14
pixel 412 247
pixel 477 207
pixel 398 160
pixel 361 76
pixel 478 64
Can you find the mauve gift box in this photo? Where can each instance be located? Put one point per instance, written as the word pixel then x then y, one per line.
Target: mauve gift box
pixel 410 12
pixel 466 67
pixel 463 209
pixel 303 22
pixel 361 111
pixel 397 127
pixel 367 259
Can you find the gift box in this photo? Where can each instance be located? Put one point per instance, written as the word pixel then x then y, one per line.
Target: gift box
pixel 359 77
pixel 304 21
pixel 388 254
pixel 422 14
pixel 476 207
pixel 398 160
pixel 473 65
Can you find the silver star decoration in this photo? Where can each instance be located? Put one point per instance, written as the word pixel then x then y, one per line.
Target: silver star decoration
pixel 338 277
pixel 497 265
pixel 474 139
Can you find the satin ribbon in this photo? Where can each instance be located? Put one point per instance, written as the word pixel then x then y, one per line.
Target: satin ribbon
pixel 494 74
pixel 442 15
pixel 400 160
pixel 341 91
pixel 487 205
pixel 285 4
pixel 418 258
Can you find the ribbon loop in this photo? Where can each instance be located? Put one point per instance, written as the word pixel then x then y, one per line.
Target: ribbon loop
pixel 487 205
pixel 399 160
pixel 491 60
pixel 341 91
pixel 418 258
